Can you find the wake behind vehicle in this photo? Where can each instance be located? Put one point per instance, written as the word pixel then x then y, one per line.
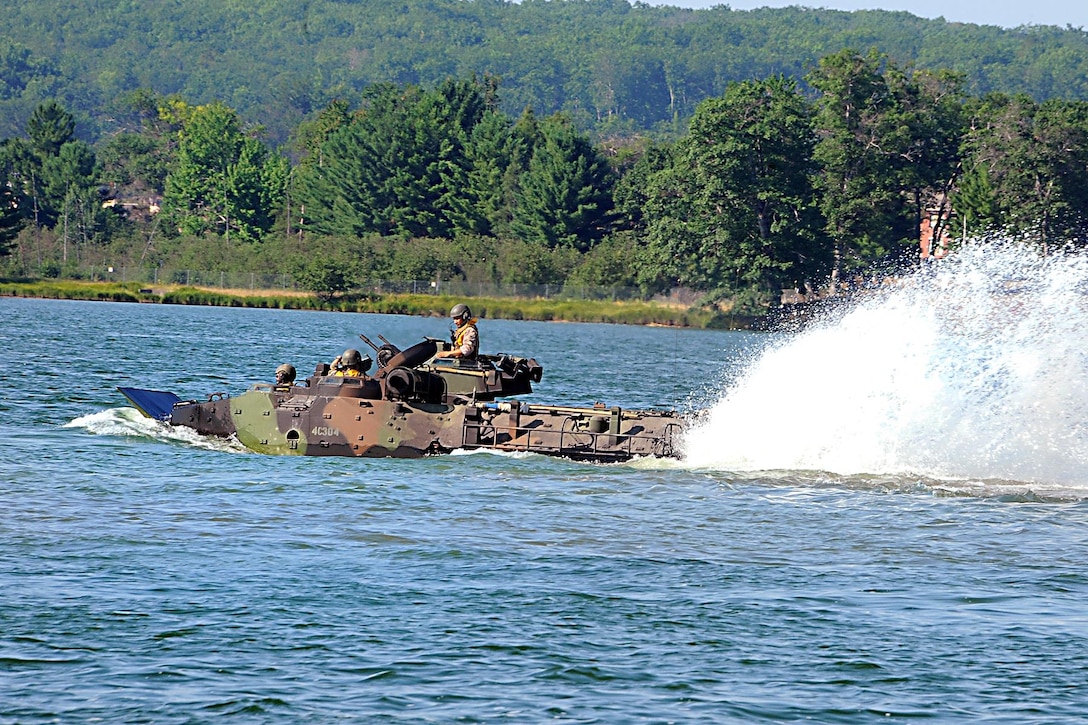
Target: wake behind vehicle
pixel 417 405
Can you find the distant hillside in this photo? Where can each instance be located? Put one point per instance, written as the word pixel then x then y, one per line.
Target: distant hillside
pixel 613 66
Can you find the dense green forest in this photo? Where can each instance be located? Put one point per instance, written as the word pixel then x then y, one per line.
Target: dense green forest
pixel 610 65
pixel 804 174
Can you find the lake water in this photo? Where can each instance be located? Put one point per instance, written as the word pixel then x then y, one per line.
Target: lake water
pixel 882 519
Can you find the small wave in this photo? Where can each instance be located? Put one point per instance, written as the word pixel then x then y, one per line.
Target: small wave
pixel 515 455
pixel 801 481
pixel 129 422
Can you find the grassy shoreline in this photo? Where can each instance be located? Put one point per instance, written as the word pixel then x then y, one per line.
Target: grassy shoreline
pixel 616 312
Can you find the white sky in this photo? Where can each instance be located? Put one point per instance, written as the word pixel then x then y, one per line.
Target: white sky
pixel 1006 13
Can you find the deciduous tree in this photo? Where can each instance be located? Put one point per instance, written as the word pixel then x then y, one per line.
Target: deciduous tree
pixel 737 209
pixel 858 150
pixel 1034 159
pixel 223 180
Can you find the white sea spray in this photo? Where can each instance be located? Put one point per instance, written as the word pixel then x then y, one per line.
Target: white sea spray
pixel 975 367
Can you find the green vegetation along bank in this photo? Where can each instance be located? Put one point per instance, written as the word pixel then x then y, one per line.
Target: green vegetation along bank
pixel 627 313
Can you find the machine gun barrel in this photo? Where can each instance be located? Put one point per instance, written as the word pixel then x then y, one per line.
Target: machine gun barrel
pixel 369 342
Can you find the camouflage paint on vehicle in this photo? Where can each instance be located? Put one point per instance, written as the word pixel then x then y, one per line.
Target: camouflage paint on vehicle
pixel 416 406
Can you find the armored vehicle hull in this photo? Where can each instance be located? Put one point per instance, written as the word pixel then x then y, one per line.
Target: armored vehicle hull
pixel 416 406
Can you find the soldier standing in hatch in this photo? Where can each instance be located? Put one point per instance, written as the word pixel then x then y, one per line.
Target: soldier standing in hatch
pixel 466 338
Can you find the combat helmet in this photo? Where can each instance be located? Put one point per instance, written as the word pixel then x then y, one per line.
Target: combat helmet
pixel 460 312
pixel 285 374
pixel 352 358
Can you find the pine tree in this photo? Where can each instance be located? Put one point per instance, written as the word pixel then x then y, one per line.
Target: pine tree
pixel 11 221
pixel 564 197
pixel 49 128
pixel 976 201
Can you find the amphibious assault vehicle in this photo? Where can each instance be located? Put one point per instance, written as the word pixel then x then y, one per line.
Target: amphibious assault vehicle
pixel 416 405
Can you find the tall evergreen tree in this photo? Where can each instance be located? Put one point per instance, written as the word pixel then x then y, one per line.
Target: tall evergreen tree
pixel 51 173
pixel 400 167
pixel 482 206
pixel 255 183
pixel 564 197
pixel 70 184
pixel 49 128
pixel 11 219
pixel 976 202
pixel 24 177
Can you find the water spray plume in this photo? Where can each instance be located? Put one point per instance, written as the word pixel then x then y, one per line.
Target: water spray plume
pixel 974 367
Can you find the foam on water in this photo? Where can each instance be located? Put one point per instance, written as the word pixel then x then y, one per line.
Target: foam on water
pixel 972 368
pixel 130 422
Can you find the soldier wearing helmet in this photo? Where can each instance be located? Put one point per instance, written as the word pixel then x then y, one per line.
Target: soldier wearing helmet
pixel 465 336
pixel 351 364
pixel 285 375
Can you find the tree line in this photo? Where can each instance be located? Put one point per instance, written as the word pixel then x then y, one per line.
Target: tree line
pixel 772 185
pixel 612 66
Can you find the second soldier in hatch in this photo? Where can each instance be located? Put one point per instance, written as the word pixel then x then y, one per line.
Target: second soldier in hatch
pixel 352 364
pixel 285 375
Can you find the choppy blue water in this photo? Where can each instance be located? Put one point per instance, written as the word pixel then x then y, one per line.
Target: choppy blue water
pixel 147 576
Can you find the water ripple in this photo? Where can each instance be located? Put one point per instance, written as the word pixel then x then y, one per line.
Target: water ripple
pixel 152 578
